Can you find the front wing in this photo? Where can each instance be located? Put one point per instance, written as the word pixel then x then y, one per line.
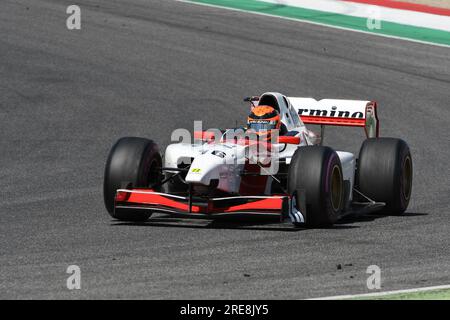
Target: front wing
pixel 150 200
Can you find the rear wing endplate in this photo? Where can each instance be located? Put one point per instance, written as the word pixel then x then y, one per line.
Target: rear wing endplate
pixel 334 112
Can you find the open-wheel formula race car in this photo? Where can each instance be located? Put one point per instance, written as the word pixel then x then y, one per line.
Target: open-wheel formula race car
pixel 297 179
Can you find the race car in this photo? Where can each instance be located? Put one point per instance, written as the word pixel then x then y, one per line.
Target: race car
pixel 273 166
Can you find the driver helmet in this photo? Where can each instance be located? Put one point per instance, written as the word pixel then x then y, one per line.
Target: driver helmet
pixel 263 120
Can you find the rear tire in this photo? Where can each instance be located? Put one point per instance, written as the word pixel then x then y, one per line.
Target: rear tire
pixel 317 172
pixel 385 173
pixel 132 162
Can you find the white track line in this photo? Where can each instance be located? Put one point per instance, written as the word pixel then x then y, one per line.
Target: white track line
pixel 383 293
pixel 315 23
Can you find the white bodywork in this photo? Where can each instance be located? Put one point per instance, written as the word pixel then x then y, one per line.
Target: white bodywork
pixel 207 166
pixel 226 169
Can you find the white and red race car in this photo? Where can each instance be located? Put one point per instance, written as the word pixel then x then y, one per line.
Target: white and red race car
pixel 297 178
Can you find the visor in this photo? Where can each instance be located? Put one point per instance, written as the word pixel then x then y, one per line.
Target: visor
pixel 262 125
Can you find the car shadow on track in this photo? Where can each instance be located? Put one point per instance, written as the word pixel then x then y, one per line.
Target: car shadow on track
pixel 256 224
pixel 260 223
pixel 374 216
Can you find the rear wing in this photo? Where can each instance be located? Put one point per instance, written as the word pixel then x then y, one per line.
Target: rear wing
pixel 353 113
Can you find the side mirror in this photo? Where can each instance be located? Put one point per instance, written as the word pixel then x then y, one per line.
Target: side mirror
pixel 204 135
pixel 251 99
pixel 289 139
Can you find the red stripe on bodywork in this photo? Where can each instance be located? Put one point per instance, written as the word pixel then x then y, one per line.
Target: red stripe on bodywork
pixel 405 6
pixel 334 121
pixel 204 135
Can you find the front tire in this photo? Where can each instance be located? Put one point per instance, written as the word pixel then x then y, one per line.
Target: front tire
pixel 385 173
pixel 132 162
pixel 316 171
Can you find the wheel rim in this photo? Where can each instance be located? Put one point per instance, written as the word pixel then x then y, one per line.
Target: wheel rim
pixel 407 178
pixel 336 188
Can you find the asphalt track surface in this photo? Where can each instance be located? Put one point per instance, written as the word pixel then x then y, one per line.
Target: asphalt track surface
pixel 144 68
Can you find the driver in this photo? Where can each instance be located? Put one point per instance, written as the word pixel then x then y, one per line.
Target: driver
pixel 263 120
